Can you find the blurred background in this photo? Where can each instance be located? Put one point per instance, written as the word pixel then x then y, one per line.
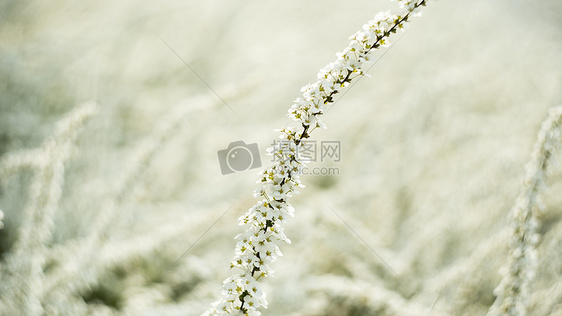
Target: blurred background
pixel 433 148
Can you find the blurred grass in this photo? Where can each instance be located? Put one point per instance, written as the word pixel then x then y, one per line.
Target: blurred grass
pixel 434 143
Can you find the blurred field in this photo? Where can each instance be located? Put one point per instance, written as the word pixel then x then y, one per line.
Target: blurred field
pixel 434 145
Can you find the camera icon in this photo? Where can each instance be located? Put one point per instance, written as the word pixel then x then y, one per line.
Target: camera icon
pixel 239 156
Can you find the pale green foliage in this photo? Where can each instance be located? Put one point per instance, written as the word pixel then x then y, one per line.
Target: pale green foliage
pixel 434 147
pixel 24 268
pixel 516 287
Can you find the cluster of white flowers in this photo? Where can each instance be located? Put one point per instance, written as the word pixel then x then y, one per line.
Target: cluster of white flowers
pixel 1 217
pixel 412 6
pixel 348 65
pixel 514 289
pixel 257 247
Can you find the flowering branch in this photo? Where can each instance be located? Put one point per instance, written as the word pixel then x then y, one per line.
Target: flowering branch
pixel 256 248
pixel 513 291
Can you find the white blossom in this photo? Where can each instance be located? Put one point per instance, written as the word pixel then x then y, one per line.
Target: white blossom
pixel 257 247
